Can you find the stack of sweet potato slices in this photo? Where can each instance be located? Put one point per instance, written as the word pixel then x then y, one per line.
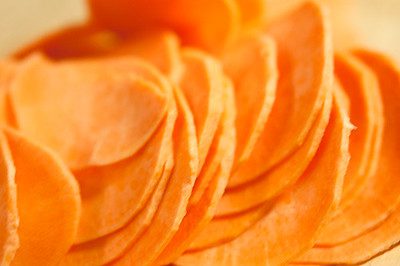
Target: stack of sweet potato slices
pixel 196 133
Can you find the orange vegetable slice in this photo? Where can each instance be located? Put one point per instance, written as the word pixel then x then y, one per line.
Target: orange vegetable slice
pixel 202 84
pixel 222 230
pixel 374 202
pixel 60 114
pixel 366 113
pixel 251 63
pixel 273 182
pixel 210 24
pixel 9 219
pixel 291 225
pixel 306 71
pixel 48 203
pixel 199 214
pixel 105 249
pixel 378 206
pixel 176 197
pixel 113 194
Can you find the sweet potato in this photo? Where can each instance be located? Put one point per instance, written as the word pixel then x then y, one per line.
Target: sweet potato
pixel 202 83
pixel 305 66
pixel 61 114
pixel 291 225
pixel 173 206
pixel 48 203
pixel 103 250
pixel 222 230
pixel 201 212
pixel 113 194
pixel 376 212
pixel 210 24
pixel 273 182
pixel 251 63
pixel 9 219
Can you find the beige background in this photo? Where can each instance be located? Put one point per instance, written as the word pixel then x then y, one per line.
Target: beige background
pixel 376 22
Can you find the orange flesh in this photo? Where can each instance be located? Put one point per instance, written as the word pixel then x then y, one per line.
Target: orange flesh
pixel 377 210
pixel 48 203
pixel 305 67
pixel 302 206
pixel 199 214
pixel 173 206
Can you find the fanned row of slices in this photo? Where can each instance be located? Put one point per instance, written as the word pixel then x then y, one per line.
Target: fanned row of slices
pixel 193 133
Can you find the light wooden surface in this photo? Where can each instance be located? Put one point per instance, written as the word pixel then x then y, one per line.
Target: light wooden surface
pixel 377 23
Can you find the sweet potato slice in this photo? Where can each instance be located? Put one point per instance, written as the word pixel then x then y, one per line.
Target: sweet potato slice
pixel 366 113
pixel 251 63
pixel 291 225
pixel 222 230
pixel 103 250
pixel 381 196
pixel 374 202
pixel 360 249
pixel 113 194
pixel 70 116
pixel 201 212
pixel 174 203
pixel 48 203
pixel 252 12
pixel 9 219
pixel 208 23
pixel 270 184
pixel 305 67
pixel 202 83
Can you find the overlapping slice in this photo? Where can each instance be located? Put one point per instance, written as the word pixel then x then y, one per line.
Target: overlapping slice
pixel 251 63
pixel 105 249
pixel 273 182
pixel 99 114
pixel 366 113
pixel 113 194
pixel 377 210
pixel 291 225
pixel 373 201
pixel 202 82
pixel 200 213
pixel 7 70
pixel 305 67
pixel 48 203
pixel 9 219
pixel 207 23
pixel 172 209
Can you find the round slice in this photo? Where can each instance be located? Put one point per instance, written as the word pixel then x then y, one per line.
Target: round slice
pixel 90 112
pixel 291 225
pixel 9 219
pixel 251 63
pixel 48 203
pixel 113 194
pixel 306 73
pixel 174 203
pixel 199 214
pixel 273 182
pixel 105 249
